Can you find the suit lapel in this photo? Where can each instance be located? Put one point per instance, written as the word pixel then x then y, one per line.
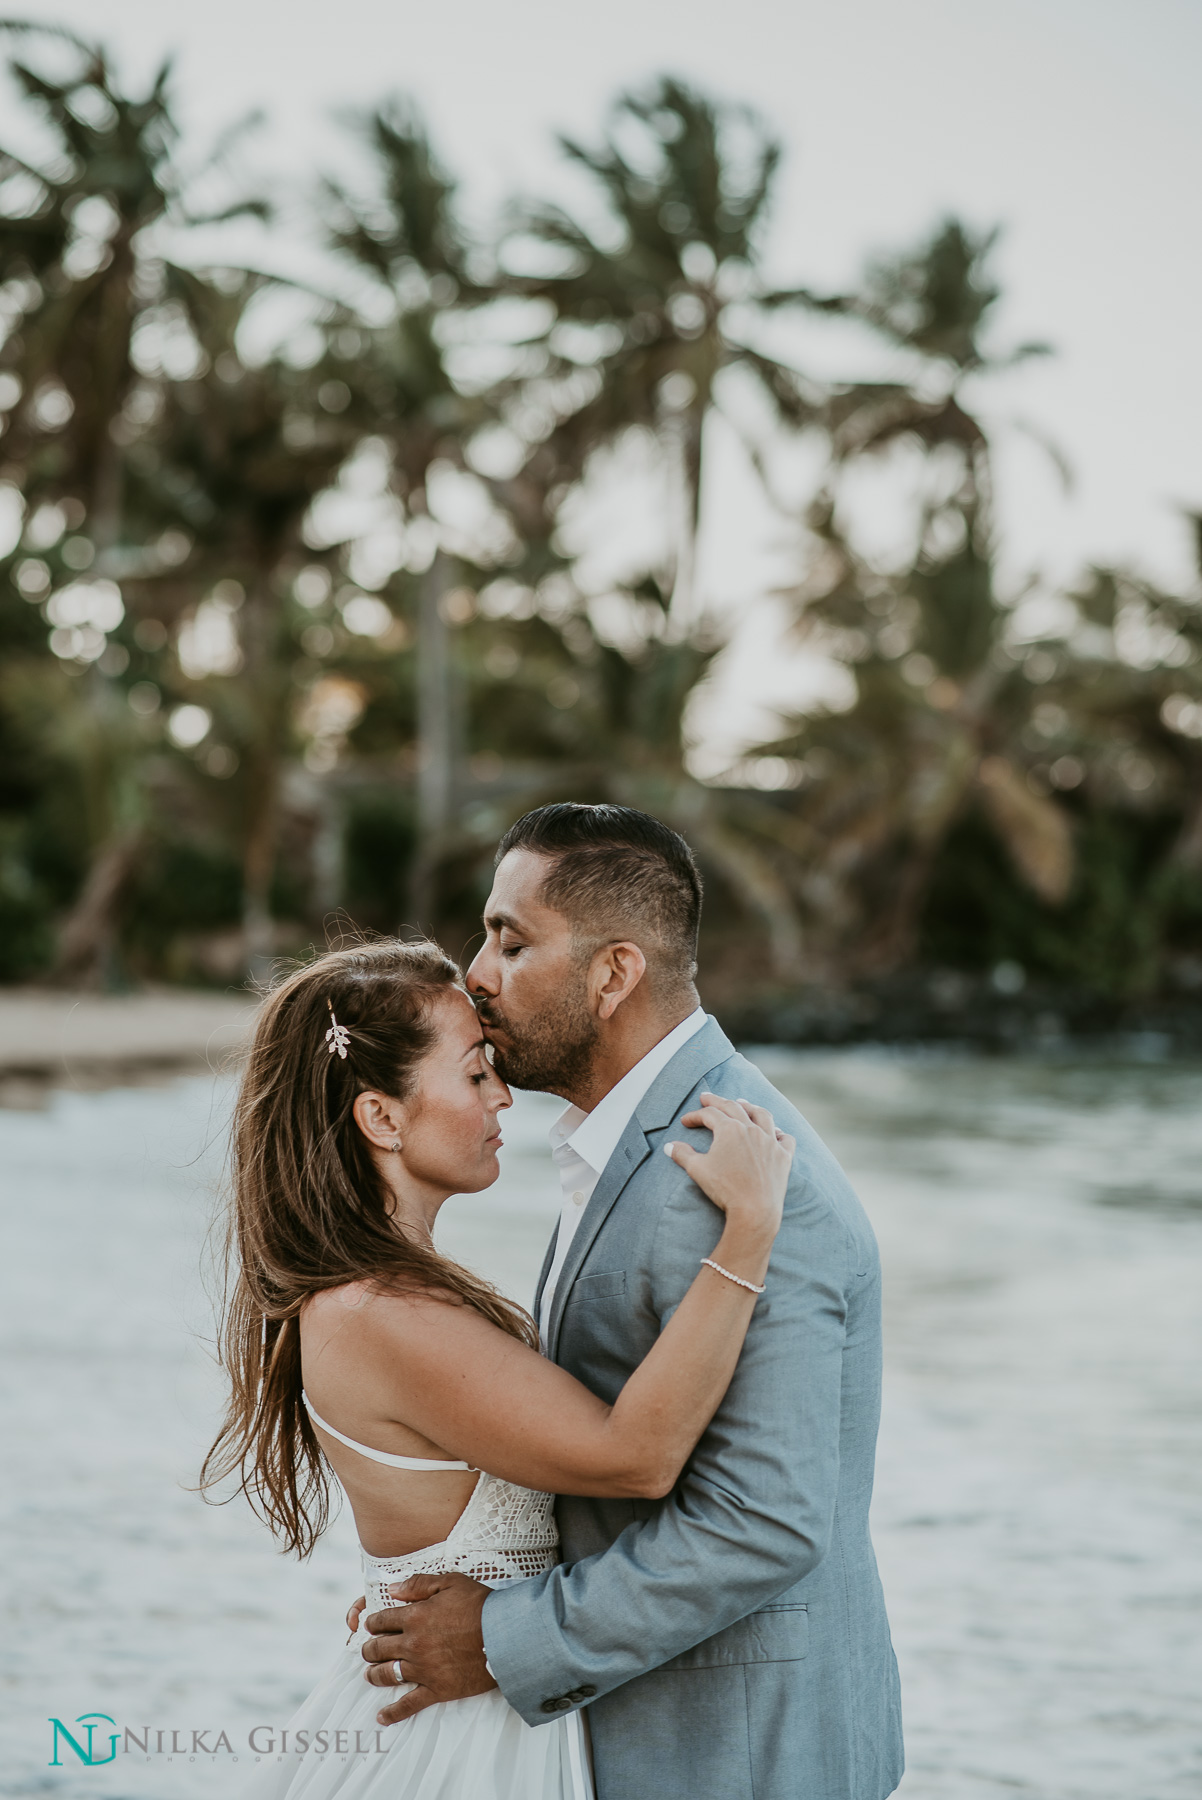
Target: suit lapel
pixel 548 1259
pixel 633 1149
pixel 656 1109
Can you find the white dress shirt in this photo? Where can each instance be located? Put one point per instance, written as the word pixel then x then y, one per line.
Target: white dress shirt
pixel 582 1143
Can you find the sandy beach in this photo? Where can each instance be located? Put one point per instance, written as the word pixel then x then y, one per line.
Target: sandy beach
pixel 1038 1511
pixel 51 1038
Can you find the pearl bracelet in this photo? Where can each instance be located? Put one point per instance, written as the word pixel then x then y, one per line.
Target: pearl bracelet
pixel 707 1262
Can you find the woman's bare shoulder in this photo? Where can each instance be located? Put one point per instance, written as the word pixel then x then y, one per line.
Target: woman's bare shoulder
pixel 408 1318
pixel 328 1304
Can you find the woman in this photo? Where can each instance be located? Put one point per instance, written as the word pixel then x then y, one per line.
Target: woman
pixel 352 1344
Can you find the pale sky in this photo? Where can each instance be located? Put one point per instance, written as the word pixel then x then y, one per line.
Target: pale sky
pixel 1073 123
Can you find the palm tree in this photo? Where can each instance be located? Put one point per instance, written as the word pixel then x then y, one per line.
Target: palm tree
pixel 569 715
pixel 406 238
pixel 1180 709
pixel 933 305
pixel 232 465
pixel 75 242
pixel 652 310
pixel 942 709
pixel 1079 751
pixel 72 252
pixel 1123 710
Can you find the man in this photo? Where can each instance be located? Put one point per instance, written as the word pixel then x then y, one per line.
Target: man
pixel 729 1641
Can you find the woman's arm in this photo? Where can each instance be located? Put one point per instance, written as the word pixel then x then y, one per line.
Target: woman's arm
pixel 491 1400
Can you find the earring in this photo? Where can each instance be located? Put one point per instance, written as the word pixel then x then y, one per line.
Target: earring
pixel 395 1145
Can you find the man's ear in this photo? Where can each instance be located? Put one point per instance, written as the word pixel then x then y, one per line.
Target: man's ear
pixel 616 972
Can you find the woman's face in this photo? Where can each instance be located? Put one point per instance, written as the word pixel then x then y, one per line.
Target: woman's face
pixel 450 1134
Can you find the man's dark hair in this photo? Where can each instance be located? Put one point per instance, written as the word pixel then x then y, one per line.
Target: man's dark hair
pixel 618 873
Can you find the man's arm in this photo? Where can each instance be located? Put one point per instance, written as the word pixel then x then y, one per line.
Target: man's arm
pixel 752 1513
pixel 750 1517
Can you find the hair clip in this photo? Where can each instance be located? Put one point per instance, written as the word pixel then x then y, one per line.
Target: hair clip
pixel 337 1037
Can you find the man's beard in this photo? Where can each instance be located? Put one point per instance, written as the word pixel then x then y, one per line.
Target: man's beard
pixel 553 1053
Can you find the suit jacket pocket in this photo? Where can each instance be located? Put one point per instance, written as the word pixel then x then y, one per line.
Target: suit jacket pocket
pixel 775 1634
pixel 602 1286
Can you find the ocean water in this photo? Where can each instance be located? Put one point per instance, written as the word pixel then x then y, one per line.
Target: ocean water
pixel 1039 1499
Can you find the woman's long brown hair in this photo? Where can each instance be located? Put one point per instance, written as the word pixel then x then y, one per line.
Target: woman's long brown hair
pixel 309 1209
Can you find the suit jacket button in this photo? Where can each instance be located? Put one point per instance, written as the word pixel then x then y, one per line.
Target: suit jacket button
pixel 550 1706
pixel 586 1692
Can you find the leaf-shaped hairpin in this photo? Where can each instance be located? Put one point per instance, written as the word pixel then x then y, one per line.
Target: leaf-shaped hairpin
pixel 337 1037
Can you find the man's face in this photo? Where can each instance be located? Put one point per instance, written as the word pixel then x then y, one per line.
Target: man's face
pixel 530 984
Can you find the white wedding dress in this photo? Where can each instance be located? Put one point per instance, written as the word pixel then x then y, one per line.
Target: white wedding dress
pixel 473 1749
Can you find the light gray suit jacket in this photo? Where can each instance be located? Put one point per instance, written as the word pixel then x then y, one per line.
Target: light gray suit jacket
pixel 729 1641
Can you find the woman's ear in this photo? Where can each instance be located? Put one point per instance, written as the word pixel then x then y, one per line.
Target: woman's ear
pixel 380 1118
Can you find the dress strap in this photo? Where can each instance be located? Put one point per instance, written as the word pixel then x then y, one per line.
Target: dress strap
pixel 380 1456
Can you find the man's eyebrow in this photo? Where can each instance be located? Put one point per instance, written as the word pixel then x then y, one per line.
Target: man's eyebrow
pixel 499 921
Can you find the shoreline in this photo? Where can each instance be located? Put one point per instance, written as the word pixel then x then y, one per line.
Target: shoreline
pixel 55 1038
pixel 1000 1014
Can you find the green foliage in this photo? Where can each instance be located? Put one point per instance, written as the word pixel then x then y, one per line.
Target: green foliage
pixel 1128 909
pixel 26 938
pixel 289 637
pixel 961 621
pixel 379 848
pixel 184 889
pixel 938 301
pixel 658 297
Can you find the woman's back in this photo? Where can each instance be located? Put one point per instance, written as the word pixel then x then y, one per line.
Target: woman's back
pixel 350 1392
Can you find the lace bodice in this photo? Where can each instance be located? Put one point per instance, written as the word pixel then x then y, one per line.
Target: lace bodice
pixel 503 1534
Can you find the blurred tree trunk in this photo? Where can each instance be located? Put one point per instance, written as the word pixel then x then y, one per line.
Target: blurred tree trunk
pixel 1187 851
pixel 258 863
pixel 266 680
pixel 106 760
pixel 437 745
pixel 328 853
pixel 87 940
